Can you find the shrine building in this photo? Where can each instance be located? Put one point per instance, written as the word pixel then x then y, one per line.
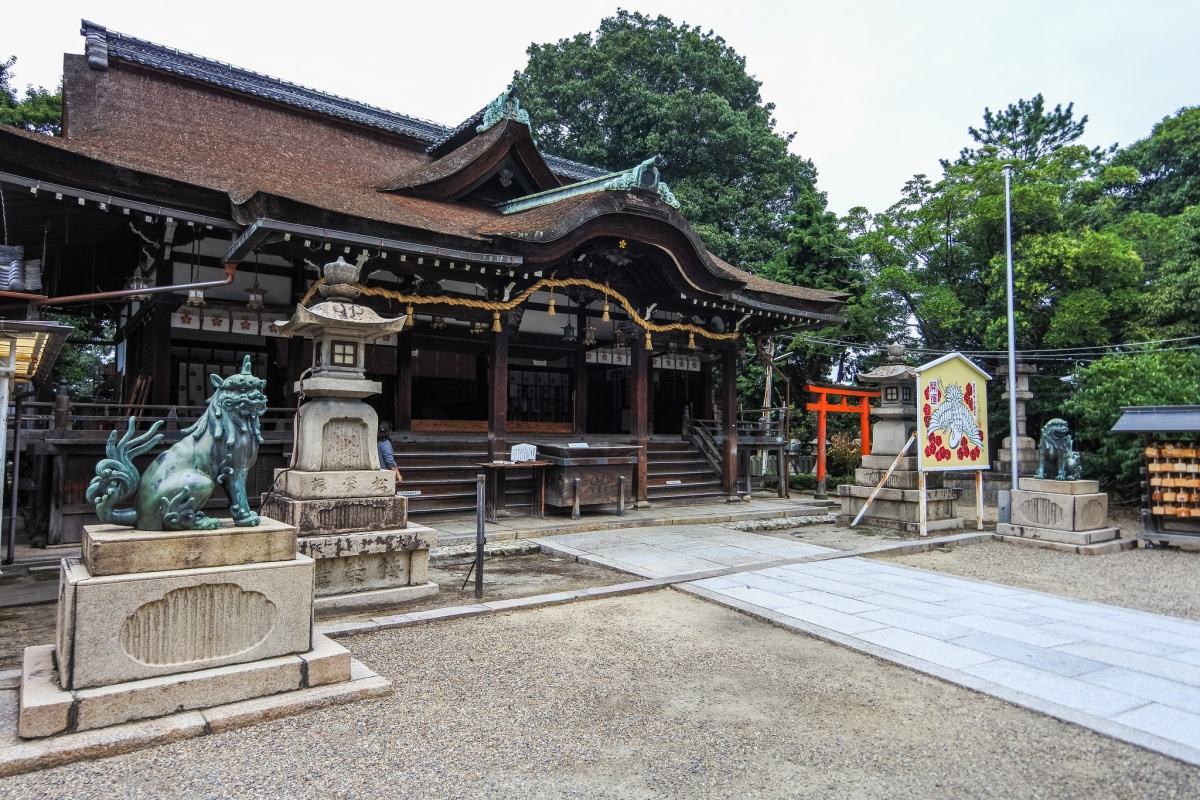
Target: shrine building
pixel 193 203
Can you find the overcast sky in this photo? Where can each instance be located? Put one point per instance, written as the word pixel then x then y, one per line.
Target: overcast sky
pixel 875 91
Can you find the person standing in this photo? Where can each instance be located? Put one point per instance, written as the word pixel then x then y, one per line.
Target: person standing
pixel 387 456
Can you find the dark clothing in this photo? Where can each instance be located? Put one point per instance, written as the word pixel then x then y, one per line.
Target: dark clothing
pixel 387 457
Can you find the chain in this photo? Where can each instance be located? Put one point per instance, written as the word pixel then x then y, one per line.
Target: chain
pixel 4 215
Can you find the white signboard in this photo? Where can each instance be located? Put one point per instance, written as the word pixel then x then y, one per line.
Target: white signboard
pixel 524 452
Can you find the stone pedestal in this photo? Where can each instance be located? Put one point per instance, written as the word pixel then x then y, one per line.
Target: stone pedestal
pixel 341 502
pixel 154 623
pixel 359 571
pixel 898 504
pixel 1072 513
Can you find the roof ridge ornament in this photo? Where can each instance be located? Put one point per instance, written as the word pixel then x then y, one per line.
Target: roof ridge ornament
pixel 95 45
pixel 644 176
pixel 505 106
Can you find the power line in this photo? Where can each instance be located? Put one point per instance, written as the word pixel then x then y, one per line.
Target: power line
pixel 1081 353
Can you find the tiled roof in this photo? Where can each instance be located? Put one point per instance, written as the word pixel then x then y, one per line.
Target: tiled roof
pixel 181 62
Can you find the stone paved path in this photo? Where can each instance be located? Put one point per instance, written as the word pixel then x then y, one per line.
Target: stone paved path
pixel 1124 673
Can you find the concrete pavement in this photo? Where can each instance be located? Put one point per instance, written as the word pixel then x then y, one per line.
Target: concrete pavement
pixel 1124 673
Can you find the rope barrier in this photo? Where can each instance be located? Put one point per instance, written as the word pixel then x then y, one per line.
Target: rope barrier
pixel 552 283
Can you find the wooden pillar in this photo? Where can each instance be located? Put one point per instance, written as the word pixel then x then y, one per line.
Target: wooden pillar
pixel 639 402
pixel 498 393
pixel 161 383
pixel 404 368
pixel 579 377
pixel 820 493
pixel 729 460
pixel 705 410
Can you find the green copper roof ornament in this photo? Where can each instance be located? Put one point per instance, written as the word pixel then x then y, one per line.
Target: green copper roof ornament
pixel 644 176
pixel 506 106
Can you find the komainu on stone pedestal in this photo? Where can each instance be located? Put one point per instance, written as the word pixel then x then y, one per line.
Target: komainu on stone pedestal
pixel 218 450
pixel 1057 459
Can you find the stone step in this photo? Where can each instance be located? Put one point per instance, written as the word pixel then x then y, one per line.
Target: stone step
pixel 1054 535
pixel 1096 549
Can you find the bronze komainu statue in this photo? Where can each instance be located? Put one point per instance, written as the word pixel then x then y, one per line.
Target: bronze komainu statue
pixel 218 450
pixel 1057 459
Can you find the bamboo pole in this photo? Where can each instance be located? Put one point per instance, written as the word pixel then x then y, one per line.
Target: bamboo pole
pixel 884 480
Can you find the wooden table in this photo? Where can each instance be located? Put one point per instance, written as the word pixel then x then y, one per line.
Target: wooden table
pixel 494 473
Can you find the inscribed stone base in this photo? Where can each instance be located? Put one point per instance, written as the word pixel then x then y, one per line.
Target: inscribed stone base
pixel 908 463
pixel 118 628
pixel 48 709
pixel 1064 512
pixel 1055 535
pixel 350 514
pixel 337 604
pixel 361 562
pixel 302 485
pixel 898 524
pixel 900 509
pixel 119 549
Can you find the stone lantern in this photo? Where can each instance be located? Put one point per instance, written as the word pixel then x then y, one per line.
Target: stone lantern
pixel 335 430
pixel 896 416
pixel 896 506
pixel 346 510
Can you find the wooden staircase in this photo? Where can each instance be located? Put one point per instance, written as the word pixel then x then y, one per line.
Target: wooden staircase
pixel 678 472
pixel 444 473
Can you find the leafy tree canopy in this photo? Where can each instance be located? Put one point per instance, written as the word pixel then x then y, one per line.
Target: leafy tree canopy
pixel 1168 163
pixel 641 86
pixel 39 111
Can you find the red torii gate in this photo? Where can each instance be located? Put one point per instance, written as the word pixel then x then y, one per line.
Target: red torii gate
pixel 823 405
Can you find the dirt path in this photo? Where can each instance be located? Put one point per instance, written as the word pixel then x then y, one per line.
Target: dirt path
pixel 653 695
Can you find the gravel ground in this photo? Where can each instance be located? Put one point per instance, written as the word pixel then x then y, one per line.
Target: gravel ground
pixel 651 695
pixel 1162 581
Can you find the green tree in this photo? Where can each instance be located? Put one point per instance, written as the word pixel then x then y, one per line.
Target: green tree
pixel 641 86
pixel 1168 166
pixel 39 111
pixel 1140 379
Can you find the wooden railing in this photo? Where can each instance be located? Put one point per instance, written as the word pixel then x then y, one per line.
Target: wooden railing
pixel 704 433
pixel 80 416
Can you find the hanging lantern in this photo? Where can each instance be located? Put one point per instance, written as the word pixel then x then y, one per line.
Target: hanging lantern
pixel 589 334
pixel 568 333
pixel 478 327
pixel 691 341
pixel 195 298
pixel 618 337
pixel 138 282
pixel 496 322
pixel 256 292
pixel 437 322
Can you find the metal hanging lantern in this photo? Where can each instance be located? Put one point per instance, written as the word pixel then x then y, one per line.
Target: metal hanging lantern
pixel 138 281
pixel 568 333
pixel 195 298
pixel 589 334
pixel 437 322
pixel 256 292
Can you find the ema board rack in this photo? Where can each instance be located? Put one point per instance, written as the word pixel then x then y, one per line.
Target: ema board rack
pixel 1170 471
